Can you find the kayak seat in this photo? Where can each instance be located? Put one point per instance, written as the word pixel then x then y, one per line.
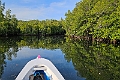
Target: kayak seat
pixel 38 75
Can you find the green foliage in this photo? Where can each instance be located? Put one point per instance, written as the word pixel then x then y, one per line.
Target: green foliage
pixel 8 22
pixel 45 27
pixel 99 18
pixel 2 7
pixel 9 25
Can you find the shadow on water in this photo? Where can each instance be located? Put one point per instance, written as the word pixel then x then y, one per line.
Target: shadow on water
pixel 93 61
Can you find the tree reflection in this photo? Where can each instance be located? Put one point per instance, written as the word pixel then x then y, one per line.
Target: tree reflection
pixel 94 62
pixel 42 42
pixel 8 48
pixel 2 63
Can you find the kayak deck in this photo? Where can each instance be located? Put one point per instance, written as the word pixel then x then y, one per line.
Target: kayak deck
pixel 40 66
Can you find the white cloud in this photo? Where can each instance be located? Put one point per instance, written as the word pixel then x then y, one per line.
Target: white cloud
pixel 25 13
pixel 57 4
pixel 27 1
pixel 55 10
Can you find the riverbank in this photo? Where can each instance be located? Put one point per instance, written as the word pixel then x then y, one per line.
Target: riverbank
pixel 92 39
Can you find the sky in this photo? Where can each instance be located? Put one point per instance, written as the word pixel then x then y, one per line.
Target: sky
pixel 40 9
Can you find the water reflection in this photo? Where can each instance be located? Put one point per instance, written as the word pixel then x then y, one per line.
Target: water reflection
pixel 92 61
pixel 7 49
pixel 2 63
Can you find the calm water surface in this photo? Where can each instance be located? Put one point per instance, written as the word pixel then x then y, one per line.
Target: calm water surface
pixel 76 60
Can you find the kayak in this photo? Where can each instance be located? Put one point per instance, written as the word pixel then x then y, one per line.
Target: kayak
pixel 39 69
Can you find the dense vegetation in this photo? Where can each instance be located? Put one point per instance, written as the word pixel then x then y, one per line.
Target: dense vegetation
pixel 8 22
pixel 9 25
pixel 44 27
pixel 96 18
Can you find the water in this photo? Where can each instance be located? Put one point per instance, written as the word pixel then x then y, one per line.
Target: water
pixel 76 60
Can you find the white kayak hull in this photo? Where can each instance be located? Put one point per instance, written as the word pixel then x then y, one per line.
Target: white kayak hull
pixel 40 64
